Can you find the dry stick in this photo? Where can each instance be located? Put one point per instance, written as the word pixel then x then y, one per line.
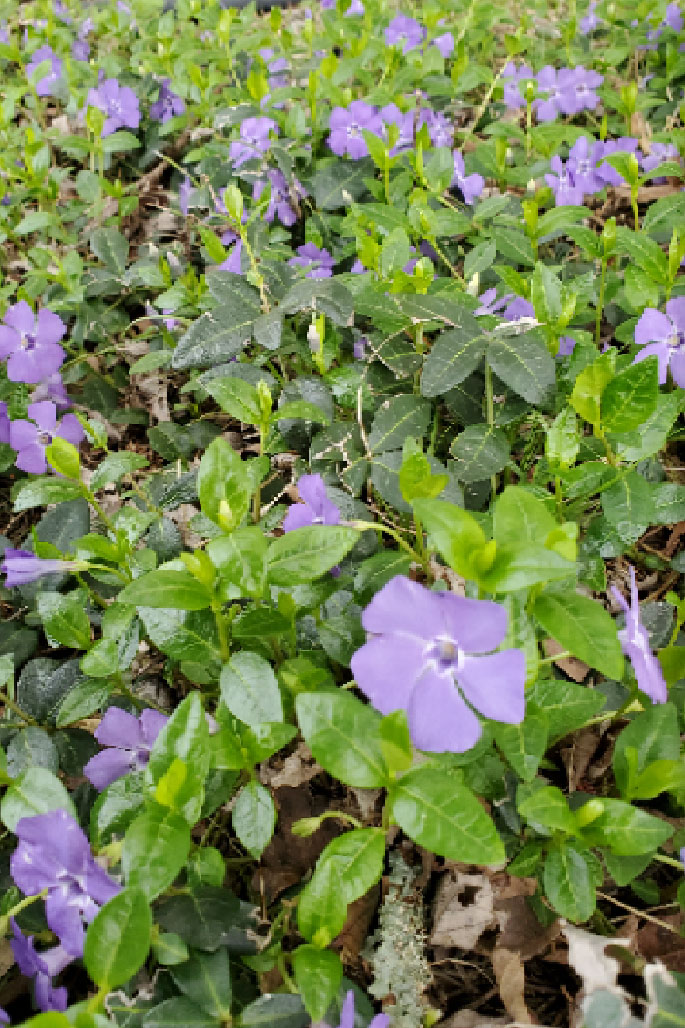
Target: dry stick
pixel 638 913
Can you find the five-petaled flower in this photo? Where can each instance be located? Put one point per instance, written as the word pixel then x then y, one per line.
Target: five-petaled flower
pixel 43 967
pixel 54 855
pixel 347 1016
pixel 118 103
pixel 255 139
pixel 317 259
pixel 316 508
pixel 429 655
pixel 663 336
pixel 634 640
pixel 347 125
pixel 43 55
pixel 404 32
pixel 127 740
pixel 31 438
pixel 168 104
pixel 30 343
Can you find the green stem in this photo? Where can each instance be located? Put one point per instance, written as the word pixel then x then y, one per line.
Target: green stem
pixel 222 631
pixel 600 302
pixel 4 698
pixel 490 415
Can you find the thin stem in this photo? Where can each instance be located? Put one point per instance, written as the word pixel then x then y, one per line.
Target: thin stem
pixel 639 913
pixel 222 631
pixel 600 302
pixel 490 415
pixel 4 698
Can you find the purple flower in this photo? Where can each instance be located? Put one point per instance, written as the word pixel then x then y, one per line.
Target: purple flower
pixel 359 348
pixel 4 423
pixel 404 120
pixel 563 184
pixel 445 44
pixel 634 641
pixel 348 123
pixel 118 103
pixel 512 77
pixel 347 1016
pixel 22 567
pixel 184 191
pixel 30 438
pixel 42 966
pixel 47 85
pixel 255 140
pixel 584 83
pixel 54 854
pixel 168 104
pixel 561 94
pixel 233 262
pixel 80 50
pixel 128 739
pixel 658 153
pixel 583 164
pixel 316 508
pixel 663 336
pixel 52 388
pixel 674 18
pixel 470 186
pixel 440 128
pixel 428 656
pixel 517 309
pixel 625 144
pixel 31 343
pixel 489 304
pixel 590 22
pixel 4 38
pixel 355 9
pixel 283 196
pixel 318 260
pixel 567 345
pixel 404 32
pixel 62 11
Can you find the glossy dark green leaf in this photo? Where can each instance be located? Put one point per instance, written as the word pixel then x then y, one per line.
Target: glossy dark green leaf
pixel 118 939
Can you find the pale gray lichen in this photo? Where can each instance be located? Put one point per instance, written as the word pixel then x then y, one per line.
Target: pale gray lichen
pixel 397 950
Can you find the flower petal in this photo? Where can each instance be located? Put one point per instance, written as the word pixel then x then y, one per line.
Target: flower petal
pixel 439 720
pixel 477 625
pixel 653 325
pixel 386 670
pixel 495 685
pixel 404 607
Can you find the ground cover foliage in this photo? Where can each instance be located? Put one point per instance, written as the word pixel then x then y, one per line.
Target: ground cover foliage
pixel 343 369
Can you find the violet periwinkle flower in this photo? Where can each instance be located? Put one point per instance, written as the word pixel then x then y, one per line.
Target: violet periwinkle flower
pixel 359 348
pixel 490 304
pixel 583 164
pixel 317 259
pixel 168 104
pixel 518 309
pixel 445 44
pixel 255 140
pixel 674 18
pixel 512 78
pixel 567 345
pixel 562 184
pixel 184 190
pixel 52 388
pixel 348 123
pixel 54 854
pixel 31 438
pixel 128 740
pixel 22 567
pixel 560 99
pixel 658 153
pixel 404 120
pixel 30 343
pixel 47 85
pixel 315 509
pixel 624 144
pixel 43 967
pixel 663 336
pixel 355 9
pixel 4 424
pixel 80 50
pixel 62 11
pixel 118 103
pixel 470 186
pixel 4 38
pixel 347 1016
pixel 440 128
pixel 634 640
pixel 404 32
pixel 234 261
pixel 591 21
pixel 428 655
pixel 282 198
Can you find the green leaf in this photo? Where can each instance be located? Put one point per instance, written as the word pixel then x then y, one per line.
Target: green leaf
pixel 223 483
pixel 583 627
pixel 184 738
pixel 111 247
pixel 301 409
pixel 480 451
pixel 567 706
pixel 631 396
pixel 36 791
pixel 64 618
pixel 520 566
pixel 397 418
pixel 626 830
pixel 40 492
pixel 453 356
pixel 300 556
pixel 208 917
pixel 84 699
pixel 216 336
pixel 177 590
pixel 154 850
pixel 254 818
pixel 524 363
pixel 643 251
pixel 115 808
pixel 514 245
pixel 318 974
pixel 589 386
pixel 668 499
pixel 333 179
pixel 628 506
pixel 35 221
pixel 395 252
pixel 652 735
pixel 113 468
pixel 322 909
pixel 206 980
pixel 275 1011
pixel 569 883
pixel 178 1012
pixel 118 939
pixel 184 636
pixel 344 736
pixel 240 559
pixel 520 515
pixel 548 807
pixel 562 441
pixel 438 812
pixel 250 690
pixel 524 744
pixel 236 397
pixel 357 857
pixel 454 533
